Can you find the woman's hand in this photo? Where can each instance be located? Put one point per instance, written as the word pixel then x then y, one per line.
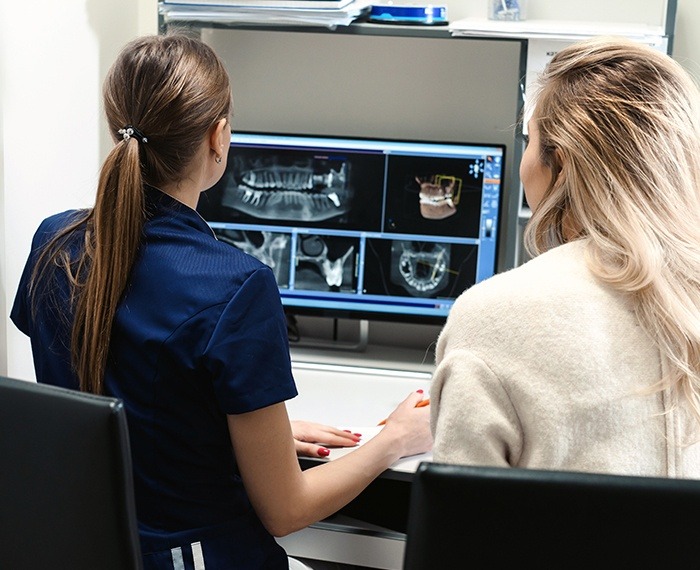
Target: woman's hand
pixel 409 425
pixel 286 498
pixel 313 440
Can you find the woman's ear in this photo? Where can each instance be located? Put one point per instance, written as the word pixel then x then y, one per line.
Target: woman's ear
pixel 219 136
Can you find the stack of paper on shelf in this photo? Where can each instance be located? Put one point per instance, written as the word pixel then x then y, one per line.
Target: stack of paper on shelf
pixel 279 4
pixel 553 29
pixel 328 13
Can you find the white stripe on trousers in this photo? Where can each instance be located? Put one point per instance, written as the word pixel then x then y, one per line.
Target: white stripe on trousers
pixel 176 555
pixel 197 557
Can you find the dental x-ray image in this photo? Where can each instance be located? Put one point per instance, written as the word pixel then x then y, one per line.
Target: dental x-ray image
pixel 290 185
pixel 440 196
pixel 298 187
pixel 326 263
pixel 418 268
pixel 422 268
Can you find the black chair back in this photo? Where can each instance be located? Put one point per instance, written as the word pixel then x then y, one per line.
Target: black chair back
pixel 483 517
pixel 66 486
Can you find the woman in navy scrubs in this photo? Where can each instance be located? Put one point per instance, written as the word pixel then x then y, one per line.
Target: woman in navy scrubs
pixel 135 298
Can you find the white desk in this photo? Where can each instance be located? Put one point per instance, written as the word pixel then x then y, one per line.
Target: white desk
pixel 337 390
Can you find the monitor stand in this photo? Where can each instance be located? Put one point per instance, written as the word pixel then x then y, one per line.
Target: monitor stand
pixel 358 344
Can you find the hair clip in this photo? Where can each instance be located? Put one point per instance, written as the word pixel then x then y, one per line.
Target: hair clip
pixel 129 131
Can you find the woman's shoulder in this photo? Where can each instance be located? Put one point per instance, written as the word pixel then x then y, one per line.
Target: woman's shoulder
pixel 55 223
pixel 178 232
pixel 550 278
pixel 557 265
pixel 235 256
pixel 61 219
pixel 515 303
pixel 187 252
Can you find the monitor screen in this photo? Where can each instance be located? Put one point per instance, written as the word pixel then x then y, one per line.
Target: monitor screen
pixel 359 227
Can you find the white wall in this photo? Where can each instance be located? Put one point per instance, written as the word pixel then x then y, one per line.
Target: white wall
pixel 53 57
pixel 686 48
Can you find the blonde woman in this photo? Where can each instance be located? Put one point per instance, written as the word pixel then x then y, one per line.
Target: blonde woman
pixel 587 357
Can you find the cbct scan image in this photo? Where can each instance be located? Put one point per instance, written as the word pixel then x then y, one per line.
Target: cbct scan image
pixel 361 225
pixel 304 188
pixel 421 269
pixel 434 196
pixel 326 263
pixel 291 185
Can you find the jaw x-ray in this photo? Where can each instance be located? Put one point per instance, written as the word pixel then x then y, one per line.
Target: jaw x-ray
pixel 294 186
pixel 421 268
pixel 439 196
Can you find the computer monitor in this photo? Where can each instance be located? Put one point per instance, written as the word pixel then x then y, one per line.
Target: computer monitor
pixel 361 227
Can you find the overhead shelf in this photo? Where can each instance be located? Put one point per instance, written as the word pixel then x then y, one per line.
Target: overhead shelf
pixel 555 30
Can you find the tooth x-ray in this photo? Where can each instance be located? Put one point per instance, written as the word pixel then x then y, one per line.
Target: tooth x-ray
pixel 326 263
pixel 362 226
pixel 420 267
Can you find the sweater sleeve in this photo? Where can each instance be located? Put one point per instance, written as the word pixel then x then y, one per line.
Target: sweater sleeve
pixel 473 419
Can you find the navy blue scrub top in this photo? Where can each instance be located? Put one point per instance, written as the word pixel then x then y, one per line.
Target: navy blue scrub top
pixel 200 333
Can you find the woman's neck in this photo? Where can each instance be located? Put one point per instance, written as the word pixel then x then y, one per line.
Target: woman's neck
pixel 187 194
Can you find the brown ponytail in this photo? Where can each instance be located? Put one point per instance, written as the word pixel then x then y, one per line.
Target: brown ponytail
pixel 172 89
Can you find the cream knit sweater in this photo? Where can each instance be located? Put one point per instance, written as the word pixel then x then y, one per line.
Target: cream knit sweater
pixel 545 367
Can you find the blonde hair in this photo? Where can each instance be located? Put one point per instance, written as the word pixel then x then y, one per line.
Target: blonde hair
pixel 619 127
pixel 172 89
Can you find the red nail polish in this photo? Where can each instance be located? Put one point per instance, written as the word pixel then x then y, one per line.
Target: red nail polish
pixel 419 391
pixel 323 452
pixel 346 430
pixel 357 434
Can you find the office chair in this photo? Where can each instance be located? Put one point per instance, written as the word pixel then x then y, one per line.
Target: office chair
pixel 483 517
pixel 66 488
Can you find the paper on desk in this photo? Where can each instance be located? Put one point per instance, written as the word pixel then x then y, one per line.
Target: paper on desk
pixel 408 464
pixel 367 434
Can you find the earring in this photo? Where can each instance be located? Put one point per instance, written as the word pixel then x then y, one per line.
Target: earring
pixel 218 160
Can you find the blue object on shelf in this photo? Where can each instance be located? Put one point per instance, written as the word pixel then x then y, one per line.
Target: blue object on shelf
pixel 427 14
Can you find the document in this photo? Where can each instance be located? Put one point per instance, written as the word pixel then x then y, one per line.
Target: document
pixel 328 13
pixel 266 4
pixel 407 464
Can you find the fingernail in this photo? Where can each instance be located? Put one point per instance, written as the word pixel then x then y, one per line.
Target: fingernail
pixel 357 434
pixel 323 452
pixel 346 430
pixel 419 391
